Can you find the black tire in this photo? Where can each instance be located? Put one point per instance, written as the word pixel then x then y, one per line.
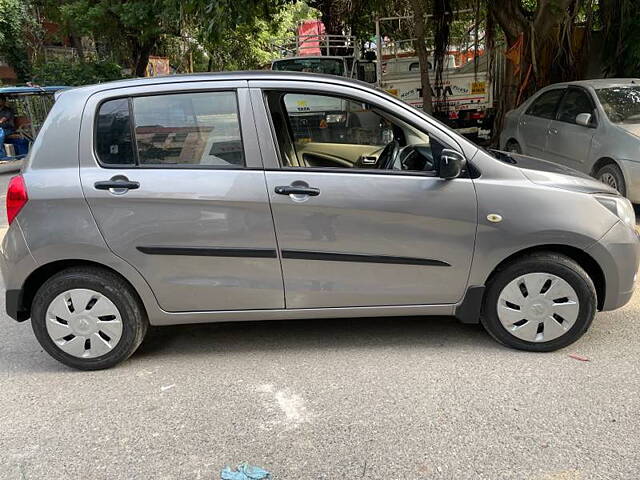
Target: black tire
pixel 513 146
pixel 612 171
pixel 553 263
pixel 112 286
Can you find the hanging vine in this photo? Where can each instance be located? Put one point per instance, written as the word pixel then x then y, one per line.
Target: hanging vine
pixel 442 18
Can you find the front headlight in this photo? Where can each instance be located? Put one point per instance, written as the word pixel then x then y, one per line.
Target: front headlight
pixel 620 207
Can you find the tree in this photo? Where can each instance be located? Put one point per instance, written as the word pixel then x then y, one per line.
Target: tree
pixel 251 44
pixel 17 27
pixel 532 30
pixel 335 14
pixel 130 29
pixel 65 72
pixel 216 18
pixel 419 19
pixel 621 26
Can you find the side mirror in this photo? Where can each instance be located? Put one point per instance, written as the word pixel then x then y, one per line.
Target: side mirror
pixel 451 164
pixel 584 119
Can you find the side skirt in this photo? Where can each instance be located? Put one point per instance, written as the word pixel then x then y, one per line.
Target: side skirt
pixel 179 318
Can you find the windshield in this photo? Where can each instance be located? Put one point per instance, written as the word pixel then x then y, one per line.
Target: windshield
pixel 332 66
pixel 621 103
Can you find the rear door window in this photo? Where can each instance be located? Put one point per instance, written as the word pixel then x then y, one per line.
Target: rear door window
pixel 545 105
pixel 188 129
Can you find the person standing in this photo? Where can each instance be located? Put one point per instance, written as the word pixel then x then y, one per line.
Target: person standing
pixel 7 124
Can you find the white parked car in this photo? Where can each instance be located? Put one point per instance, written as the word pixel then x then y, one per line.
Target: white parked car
pixel 592 126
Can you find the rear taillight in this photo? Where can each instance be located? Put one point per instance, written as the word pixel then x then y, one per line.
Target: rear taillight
pixel 16 197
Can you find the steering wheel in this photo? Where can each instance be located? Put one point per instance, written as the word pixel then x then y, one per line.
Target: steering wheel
pixel 417 158
pixel 387 157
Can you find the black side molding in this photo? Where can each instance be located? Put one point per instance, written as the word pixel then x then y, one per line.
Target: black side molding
pixel 210 251
pixel 469 310
pixel 358 257
pixel 13 305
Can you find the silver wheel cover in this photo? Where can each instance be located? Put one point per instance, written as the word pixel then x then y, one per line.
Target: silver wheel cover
pixel 538 307
pixel 609 179
pixel 84 323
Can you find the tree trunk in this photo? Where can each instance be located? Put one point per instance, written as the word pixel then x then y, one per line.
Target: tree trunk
pixel 423 55
pixel 141 55
pixel 331 14
pixel 76 42
pixel 532 71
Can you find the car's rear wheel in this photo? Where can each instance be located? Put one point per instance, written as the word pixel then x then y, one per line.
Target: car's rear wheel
pixel 611 175
pixel 88 318
pixel 513 146
pixel 539 303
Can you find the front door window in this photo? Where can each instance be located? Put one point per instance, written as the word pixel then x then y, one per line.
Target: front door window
pixel 573 104
pixel 322 131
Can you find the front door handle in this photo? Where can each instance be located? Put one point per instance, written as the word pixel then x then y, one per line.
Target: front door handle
pixel 553 131
pixel 295 190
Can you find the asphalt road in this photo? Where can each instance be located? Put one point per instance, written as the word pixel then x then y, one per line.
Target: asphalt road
pixel 401 398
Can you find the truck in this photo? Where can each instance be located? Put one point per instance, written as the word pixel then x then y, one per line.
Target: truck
pixel 464 99
pixel 314 50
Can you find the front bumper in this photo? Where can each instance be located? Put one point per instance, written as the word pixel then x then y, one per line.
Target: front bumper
pixel 618 254
pixel 631 171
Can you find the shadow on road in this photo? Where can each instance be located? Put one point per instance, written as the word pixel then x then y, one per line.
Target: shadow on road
pixel 305 335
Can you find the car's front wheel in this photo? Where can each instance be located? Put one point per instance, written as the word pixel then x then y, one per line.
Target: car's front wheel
pixel 88 318
pixel 611 175
pixel 513 146
pixel 540 303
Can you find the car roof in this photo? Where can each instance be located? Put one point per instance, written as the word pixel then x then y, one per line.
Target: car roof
pixel 30 90
pixel 223 76
pixel 314 57
pixel 600 82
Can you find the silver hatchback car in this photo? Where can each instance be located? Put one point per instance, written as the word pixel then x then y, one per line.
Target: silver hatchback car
pixel 592 126
pixel 275 195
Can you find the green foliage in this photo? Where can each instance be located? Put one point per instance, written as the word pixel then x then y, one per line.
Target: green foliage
pixel 218 18
pixel 622 36
pixel 250 45
pixel 130 30
pixel 115 19
pixel 65 72
pixel 15 21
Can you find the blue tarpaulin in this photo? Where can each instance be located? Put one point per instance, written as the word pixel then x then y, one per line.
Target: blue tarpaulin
pixel 245 472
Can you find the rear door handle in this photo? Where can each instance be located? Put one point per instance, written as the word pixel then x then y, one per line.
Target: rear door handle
pixel 117 184
pixel 553 131
pixel 293 190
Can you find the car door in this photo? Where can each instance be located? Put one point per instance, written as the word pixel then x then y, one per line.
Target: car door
pixel 361 235
pixel 533 126
pixel 173 176
pixel 568 142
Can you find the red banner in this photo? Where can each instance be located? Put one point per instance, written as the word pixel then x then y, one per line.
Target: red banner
pixel 310 33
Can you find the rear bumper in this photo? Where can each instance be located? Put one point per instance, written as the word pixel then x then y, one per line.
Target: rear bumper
pixel 16 264
pixel 618 254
